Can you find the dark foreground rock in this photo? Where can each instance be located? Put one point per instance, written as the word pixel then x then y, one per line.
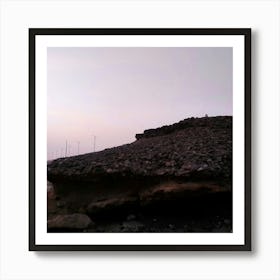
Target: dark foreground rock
pixel 72 221
pixel 184 168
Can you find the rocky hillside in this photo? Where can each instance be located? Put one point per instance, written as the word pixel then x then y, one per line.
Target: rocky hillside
pixel 169 166
pixel 195 147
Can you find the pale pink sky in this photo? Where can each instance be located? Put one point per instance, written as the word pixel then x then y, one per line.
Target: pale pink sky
pixel 114 93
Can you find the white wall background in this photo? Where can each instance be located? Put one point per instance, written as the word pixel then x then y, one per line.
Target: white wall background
pixel 17 262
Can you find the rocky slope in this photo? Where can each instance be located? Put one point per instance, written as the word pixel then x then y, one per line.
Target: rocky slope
pixel 173 167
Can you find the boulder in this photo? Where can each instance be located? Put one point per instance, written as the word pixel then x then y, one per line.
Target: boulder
pixel 71 221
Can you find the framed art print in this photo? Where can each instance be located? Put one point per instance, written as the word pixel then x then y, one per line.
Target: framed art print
pixel 140 139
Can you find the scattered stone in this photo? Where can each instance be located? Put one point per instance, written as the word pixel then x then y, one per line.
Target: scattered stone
pixel 227 221
pixel 60 204
pixel 170 163
pixel 171 226
pixel 132 226
pixel 50 191
pixel 131 217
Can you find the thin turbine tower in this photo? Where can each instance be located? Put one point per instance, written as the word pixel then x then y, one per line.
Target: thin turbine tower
pixel 94 141
pixel 78 143
pixel 66 149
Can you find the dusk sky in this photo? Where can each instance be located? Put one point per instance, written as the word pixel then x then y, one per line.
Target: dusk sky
pixel 114 93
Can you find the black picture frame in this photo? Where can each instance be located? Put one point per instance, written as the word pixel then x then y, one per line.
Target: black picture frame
pixel 246 32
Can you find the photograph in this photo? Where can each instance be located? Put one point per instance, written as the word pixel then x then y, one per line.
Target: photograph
pixel 138 138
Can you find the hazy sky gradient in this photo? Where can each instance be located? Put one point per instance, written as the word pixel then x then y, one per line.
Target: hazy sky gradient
pixel 114 93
